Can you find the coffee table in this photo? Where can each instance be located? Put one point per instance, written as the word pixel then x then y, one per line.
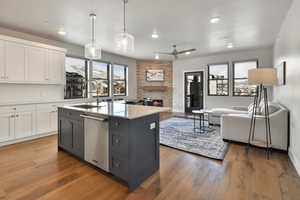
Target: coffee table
pixel 202 127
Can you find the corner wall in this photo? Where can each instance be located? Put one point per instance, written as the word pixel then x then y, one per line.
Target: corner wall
pixel 264 56
pixel 287 48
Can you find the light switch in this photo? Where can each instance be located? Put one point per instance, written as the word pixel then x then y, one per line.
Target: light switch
pixel 152 125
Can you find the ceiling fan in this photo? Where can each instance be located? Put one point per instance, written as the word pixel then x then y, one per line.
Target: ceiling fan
pixel 175 53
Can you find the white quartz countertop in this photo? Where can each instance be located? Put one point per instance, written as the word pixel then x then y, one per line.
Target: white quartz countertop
pixel 118 109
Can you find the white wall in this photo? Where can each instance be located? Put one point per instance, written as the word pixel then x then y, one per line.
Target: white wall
pixel 287 48
pixel 20 93
pixel 264 56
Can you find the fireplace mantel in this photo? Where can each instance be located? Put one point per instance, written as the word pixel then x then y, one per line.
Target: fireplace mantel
pixel 155 88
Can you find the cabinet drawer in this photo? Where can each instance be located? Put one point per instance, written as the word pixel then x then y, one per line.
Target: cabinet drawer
pixel 119 166
pixel 118 126
pixel 119 143
pixel 22 108
pixel 72 114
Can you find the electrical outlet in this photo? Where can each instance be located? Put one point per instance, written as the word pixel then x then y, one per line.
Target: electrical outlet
pixel 152 126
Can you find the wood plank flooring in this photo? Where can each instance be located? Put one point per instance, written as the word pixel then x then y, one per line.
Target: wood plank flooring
pixel 36 171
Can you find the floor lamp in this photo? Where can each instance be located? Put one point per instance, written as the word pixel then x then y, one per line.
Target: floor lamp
pixel 261 77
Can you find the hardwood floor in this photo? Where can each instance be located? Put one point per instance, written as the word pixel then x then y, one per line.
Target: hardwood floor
pixel 35 170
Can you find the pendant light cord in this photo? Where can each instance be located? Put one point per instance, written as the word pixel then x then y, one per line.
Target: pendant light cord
pixel 93 18
pixel 124 16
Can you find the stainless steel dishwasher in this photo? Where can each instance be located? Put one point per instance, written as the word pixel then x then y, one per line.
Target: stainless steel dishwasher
pixel 96 144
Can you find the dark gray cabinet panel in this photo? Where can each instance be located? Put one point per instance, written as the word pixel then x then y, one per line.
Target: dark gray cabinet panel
pixel 134 148
pixel 71 132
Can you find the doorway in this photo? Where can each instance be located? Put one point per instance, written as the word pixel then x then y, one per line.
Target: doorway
pixel 193 97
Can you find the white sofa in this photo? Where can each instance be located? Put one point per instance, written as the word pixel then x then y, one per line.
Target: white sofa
pixel 214 116
pixel 235 127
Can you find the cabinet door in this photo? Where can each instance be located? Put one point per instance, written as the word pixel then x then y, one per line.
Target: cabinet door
pixel 7 126
pixel 78 138
pixel 54 120
pixel 15 61
pixel 56 65
pixel 36 64
pixel 2 63
pixel 66 134
pixel 43 121
pixel 24 124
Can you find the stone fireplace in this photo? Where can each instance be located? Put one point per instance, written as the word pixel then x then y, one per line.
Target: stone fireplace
pixel 161 91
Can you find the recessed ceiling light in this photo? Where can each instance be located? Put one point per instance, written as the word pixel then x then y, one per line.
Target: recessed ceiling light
pixel 187 53
pixel 214 20
pixel 229 45
pixel 61 31
pixel 155 35
pixel 156 56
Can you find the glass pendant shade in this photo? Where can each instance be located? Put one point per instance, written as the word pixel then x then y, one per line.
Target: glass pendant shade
pixel 92 51
pixel 124 42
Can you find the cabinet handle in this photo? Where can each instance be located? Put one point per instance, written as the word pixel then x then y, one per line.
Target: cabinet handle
pixel 12 116
pixel 117 124
pixel 117 141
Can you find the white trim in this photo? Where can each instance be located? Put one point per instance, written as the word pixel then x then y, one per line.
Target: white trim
pixel 15 141
pixel 30 43
pixel 294 160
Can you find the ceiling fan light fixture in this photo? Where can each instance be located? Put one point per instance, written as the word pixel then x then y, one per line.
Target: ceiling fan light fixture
pixel 93 50
pixel 155 35
pixel 229 45
pixel 214 20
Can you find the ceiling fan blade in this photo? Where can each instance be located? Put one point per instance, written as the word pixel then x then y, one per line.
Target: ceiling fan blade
pixel 184 51
pixel 166 53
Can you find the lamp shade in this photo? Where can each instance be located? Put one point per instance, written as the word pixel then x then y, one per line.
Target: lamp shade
pixel 264 76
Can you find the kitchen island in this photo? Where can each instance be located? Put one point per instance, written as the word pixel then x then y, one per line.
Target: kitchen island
pixel 118 138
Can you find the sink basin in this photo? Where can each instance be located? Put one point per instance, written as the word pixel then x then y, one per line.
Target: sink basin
pixel 84 106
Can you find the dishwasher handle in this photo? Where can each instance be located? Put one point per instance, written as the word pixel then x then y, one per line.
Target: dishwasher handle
pixel 94 118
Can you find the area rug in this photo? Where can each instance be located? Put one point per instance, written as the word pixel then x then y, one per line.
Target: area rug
pixel 178 132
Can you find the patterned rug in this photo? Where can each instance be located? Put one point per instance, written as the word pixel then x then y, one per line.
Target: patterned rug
pixel 178 132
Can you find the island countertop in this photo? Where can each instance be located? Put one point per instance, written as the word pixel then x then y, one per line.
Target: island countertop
pixel 117 109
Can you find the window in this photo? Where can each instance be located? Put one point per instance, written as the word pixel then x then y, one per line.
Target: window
pixel 119 80
pixel 218 79
pixel 100 79
pixel 76 78
pixel 240 78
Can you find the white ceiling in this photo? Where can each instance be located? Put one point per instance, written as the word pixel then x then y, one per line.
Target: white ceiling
pixel 245 23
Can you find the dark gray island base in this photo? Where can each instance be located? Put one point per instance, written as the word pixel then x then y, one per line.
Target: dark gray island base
pixel 133 150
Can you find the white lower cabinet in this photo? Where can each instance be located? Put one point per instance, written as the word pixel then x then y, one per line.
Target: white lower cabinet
pixel 7 126
pixel 54 120
pixel 24 124
pixel 43 121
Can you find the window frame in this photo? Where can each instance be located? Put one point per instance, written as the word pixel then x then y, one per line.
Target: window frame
pixel 233 75
pixel 113 80
pixel 100 79
pixel 208 79
pixel 86 71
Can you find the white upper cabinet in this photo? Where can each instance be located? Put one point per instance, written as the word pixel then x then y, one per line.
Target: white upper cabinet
pixel 24 62
pixel 36 64
pixel 56 66
pixel 15 61
pixel 2 61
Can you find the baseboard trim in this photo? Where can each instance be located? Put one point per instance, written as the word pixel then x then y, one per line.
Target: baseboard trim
pixel 295 161
pixel 15 141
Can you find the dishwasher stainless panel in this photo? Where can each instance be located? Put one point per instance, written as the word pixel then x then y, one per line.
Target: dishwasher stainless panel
pixel 96 141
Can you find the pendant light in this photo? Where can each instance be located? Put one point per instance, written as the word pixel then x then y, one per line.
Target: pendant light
pixel 92 50
pixel 124 41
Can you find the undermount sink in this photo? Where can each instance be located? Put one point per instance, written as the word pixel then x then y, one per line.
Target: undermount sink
pixel 84 106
